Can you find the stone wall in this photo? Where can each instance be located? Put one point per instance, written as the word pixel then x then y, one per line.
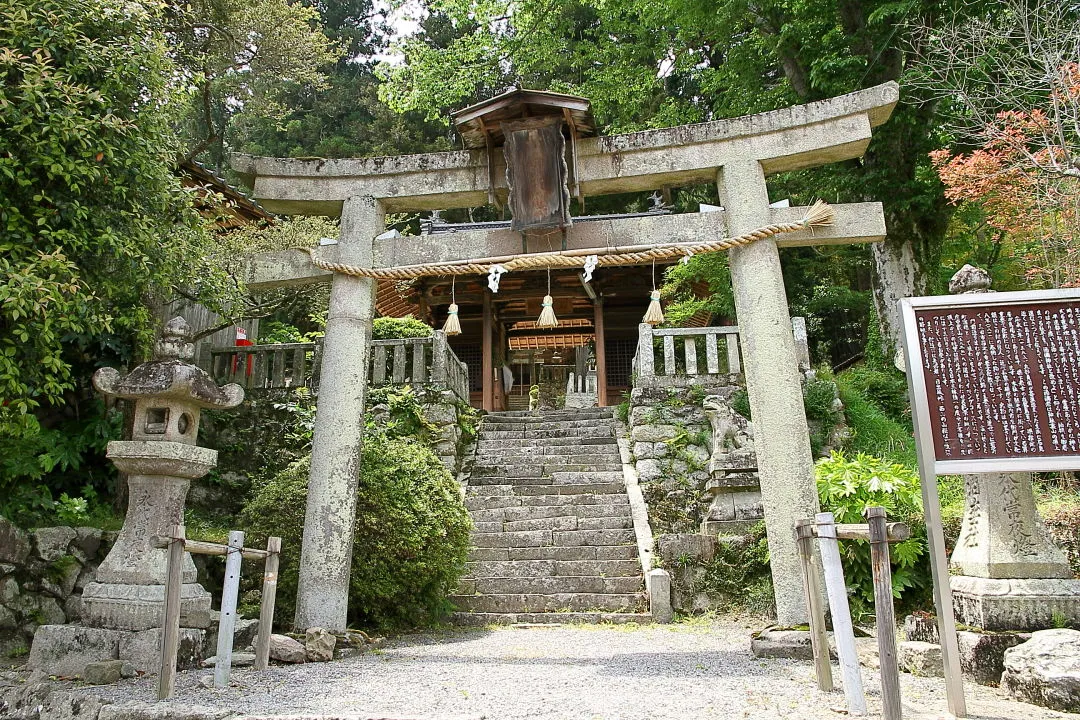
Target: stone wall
pixel 42 575
pixel 672 445
pixel 447 420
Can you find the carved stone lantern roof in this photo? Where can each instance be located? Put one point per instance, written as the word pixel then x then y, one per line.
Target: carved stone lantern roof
pixel 169 376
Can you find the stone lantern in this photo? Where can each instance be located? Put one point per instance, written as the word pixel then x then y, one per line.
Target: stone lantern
pixel 122 609
pixel 161 460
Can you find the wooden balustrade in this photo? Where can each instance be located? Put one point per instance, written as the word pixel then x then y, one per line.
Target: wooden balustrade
pixel 687 351
pixel 699 352
pixel 413 361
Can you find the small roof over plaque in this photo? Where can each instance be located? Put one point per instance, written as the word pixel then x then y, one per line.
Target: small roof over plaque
pixel 479 123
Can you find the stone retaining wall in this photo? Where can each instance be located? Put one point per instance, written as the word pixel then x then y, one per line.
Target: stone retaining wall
pixel 42 575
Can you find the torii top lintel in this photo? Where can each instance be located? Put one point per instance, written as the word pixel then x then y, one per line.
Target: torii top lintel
pixel 791 138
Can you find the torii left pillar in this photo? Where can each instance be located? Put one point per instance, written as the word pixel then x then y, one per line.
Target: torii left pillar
pixel 322 598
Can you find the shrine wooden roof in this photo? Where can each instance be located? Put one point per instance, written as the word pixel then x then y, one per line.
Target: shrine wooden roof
pixel 478 122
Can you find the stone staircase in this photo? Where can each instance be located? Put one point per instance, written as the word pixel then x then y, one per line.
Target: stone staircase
pixel 554 540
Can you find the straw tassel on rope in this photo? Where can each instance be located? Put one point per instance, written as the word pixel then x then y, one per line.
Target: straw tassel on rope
pixel 655 314
pixel 547 317
pixel 453 325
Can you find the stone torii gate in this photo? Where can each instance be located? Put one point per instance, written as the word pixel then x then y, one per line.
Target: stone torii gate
pixel 737 154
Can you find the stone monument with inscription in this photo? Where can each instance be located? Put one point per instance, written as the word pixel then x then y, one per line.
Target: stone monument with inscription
pixel 123 607
pixel 1010 575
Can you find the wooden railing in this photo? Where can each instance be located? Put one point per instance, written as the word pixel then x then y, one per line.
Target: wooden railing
pixel 696 352
pixel 413 361
pixel 687 351
pixel 281 365
pixel 419 361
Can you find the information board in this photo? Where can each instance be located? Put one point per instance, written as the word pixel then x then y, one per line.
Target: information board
pixel 996 380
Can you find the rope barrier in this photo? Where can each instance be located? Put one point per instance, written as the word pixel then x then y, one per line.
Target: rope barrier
pixel 818 215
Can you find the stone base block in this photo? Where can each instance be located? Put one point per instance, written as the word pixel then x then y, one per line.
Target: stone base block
pixel 727 528
pixel 921 628
pixel 1045 670
pixel 982 655
pixel 141 607
pixel 920 658
pixel 1016 604
pixel 68 649
pixel 777 643
pixel 143 649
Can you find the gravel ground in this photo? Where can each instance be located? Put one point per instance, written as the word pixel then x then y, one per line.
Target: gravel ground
pixel 563 672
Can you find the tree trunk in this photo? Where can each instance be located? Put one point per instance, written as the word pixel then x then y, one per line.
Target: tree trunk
pixel 897 274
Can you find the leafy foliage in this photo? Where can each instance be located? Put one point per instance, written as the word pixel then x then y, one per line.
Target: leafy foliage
pixel 411 534
pixel 876 431
pixel 390 328
pixel 846 487
pixel 87 189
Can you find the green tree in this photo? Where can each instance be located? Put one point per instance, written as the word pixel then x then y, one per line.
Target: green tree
pixel 87 189
pixel 647 64
pixel 87 194
pixel 246 56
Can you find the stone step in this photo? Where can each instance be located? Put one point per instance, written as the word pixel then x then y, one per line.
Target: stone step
pixel 547 434
pixel 486 478
pixel 553 415
pixel 483 619
pixel 532 602
pixel 587 478
pixel 517 514
pixel 559 453
pixel 562 522
pixel 491 459
pixel 524 490
pixel 556 538
pixel 590 489
pixel 580 552
pixel 522 444
pixel 476 499
pixel 551 585
pixel 553 568
pixel 599 428
pixel 511 472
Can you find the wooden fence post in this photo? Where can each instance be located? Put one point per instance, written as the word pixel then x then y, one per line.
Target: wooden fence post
pixel 227 623
pixel 269 598
pixel 883 609
pixel 841 613
pixel 170 640
pixel 819 641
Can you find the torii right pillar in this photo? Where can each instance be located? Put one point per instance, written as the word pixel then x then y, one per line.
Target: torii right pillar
pixel 771 367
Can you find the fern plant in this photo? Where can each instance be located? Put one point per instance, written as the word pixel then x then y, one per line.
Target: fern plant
pixel 846 487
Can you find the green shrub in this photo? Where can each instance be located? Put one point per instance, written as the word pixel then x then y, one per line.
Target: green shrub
pixel 411 533
pixel 846 487
pixel 388 328
pixel 874 432
pixel 885 389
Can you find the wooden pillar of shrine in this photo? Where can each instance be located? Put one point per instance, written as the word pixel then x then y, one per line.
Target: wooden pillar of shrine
pixel 487 363
pixel 601 352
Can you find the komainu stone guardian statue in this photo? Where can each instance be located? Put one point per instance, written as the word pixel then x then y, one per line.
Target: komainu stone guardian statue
pixel 733 479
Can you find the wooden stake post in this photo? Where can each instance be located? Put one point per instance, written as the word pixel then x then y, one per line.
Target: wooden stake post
pixel 880 534
pixel 235 551
pixel 171 640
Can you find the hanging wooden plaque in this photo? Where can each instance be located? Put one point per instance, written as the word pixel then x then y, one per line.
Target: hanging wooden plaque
pixel 536 173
